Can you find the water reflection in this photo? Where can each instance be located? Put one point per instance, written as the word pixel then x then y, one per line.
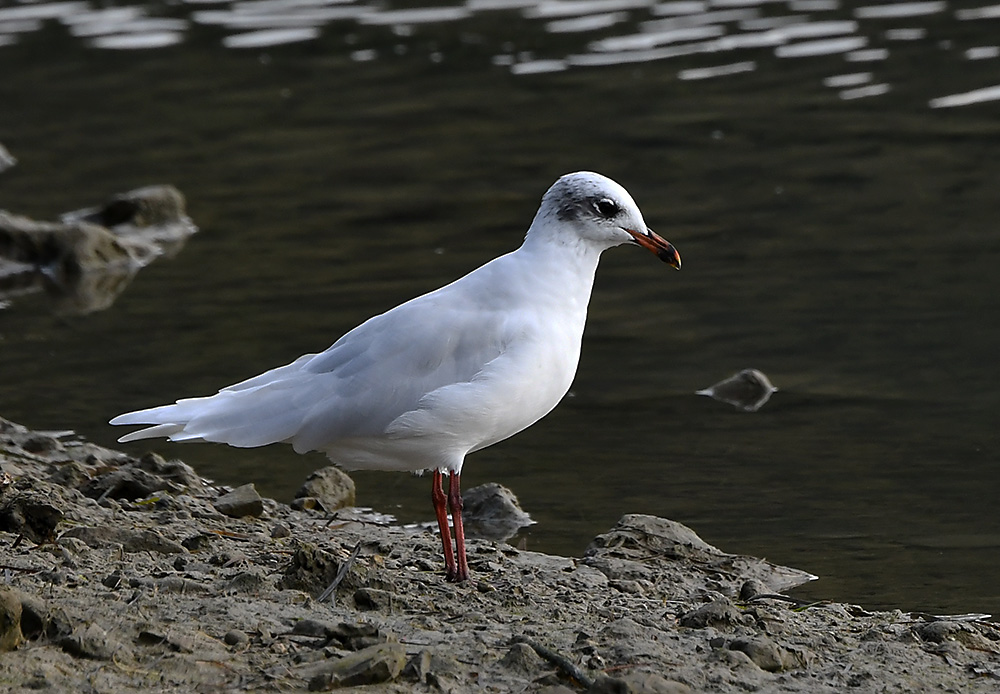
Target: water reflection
pixel 88 258
pixel 634 31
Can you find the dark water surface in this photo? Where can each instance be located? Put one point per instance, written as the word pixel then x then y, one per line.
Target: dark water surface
pixel 844 242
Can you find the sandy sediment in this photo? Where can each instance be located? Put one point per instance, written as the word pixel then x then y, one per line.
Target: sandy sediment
pixel 124 574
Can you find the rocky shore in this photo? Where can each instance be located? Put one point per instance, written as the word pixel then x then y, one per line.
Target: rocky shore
pixel 124 574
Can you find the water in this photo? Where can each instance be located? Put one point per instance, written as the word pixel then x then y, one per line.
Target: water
pixel 828 173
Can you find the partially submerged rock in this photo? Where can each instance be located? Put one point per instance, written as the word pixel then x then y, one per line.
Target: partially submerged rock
pixel 492 512
pixel 748 390
pixel 327 489
pixel 90 256
pixel 7 159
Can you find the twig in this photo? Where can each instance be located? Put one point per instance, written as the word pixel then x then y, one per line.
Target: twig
pixel 344 568
pixel 560 661
pixel 799 604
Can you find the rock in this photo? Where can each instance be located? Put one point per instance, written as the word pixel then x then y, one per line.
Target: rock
pixel 523 659
pixel 639 545
pixel 748 390
pixel 373 665
pixel 10 620
pixel 492 512
pixel 128 483
pixel 651 683
pixel 248 583
pixel 151 206
pixel 609 685
pixel 764 653
pixel 313 627
pixel 40 620
pixel 330 486
pixel 90 256
pixel 130 540
pixel 944 631
pixel 7 159
pixel 242 501
pixel 311 569
pixel 721 614
pixel 30 515
pixel 431 667
pixel 72 475
pixel 357 636
pixel 751 589
pixel 175 475
pixel 235 637
pixel 373 599
pixel 69 250
pixel 93 642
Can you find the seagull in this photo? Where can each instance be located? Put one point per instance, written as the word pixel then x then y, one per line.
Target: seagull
pixel 446 374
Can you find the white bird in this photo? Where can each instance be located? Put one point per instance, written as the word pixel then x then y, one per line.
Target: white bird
pixel 443 375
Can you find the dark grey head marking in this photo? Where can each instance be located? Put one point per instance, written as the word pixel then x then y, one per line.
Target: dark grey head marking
pixel 574 207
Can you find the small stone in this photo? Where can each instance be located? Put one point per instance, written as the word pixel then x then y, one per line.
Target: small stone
pixel 10 620
pixel 373 599
pixel 247 582
pixel 765 654
pixel 356 637
pixel 112 580
pixel 313 627
pixel 38 620
pixel 419 666
pixel 521 658
pixel 125 483
pixel 235 637
pixel 752 588
pixel 720 614
pixel 330 486
pixel 30 515
pixel 39 443
pixel 280 531
pixel 93 642
pixel 651 683
pixel 609 685
pixel 492 512
pixel 196 543
pixel 129 540
pixel 242 501
pixel 373 665
pixel 747 390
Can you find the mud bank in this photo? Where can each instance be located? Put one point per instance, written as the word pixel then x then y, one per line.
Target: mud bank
pixel 124 574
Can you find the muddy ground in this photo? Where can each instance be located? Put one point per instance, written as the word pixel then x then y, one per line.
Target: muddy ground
pixel 124 574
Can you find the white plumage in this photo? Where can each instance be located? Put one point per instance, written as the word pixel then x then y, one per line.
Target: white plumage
pixel 445 374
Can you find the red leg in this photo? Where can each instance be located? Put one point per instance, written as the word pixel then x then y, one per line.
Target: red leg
pixel 440 502
pixel 455 502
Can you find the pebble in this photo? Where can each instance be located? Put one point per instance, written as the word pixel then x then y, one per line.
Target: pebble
pixel 522 658
pixel 721 614
pixel 242 501
pixel 330 486
pixel 373 665
pixel 10 620
pixel 235 637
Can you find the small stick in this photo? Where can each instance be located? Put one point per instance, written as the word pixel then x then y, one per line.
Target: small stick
pixel 560 661
pixel 344 568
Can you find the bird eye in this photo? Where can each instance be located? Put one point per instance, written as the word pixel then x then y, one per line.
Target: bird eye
pixel 606 207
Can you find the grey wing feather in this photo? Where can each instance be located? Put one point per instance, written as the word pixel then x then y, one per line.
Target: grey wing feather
pixel 356 388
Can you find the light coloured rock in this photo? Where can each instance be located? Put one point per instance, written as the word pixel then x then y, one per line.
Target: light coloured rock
pixel 242 501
